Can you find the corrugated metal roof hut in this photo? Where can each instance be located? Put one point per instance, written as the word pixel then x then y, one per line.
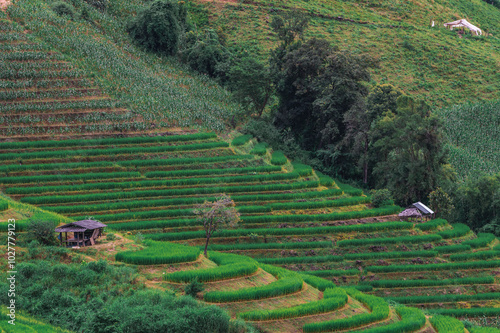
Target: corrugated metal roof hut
pixel 417 211
pixel 85 232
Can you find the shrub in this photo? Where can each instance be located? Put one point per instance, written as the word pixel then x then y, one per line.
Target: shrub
pixel 193 288
pixel 62 8
pixel 381 198
pixel 158 27
pixel 110 237
pixel 4 205
pixel 325 180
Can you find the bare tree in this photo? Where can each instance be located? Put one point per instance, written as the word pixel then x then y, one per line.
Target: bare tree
pixel 217 215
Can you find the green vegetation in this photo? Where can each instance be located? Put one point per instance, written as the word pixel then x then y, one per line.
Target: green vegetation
pixel 157 253
pixel 230 266
pixel 332 300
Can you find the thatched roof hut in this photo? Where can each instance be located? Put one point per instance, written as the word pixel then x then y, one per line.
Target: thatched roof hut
pixel 418 211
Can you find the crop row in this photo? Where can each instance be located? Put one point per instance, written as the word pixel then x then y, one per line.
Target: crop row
pixel 304 205
pixel 431 283
pixel 349 256
pixel 65 178
pixel 412 319
pixel 284 231
pixel 432 224
pixel 302 169
pixel 452 248
pixel 230 266
pixel 255 246
pixel 110 151
pixel 278 158
pixel 184 201
pixel 475 256
pixel 153 183
pixel 482 240
pixel 129 163
pixel 333 272
pixel 378 307
pixel 168 192
pixel 445 298
pixel 387 210
pixel 104 141
pixel 435 267
pixel 333 299
pixel 4 205
pixel 241 140
pixel 390 240
pixel 65 93
pixel 25 84
pixel 7 73
pixel 157 253
pixel 473 312
pixel 317 282
pixel 52 106
pixel 443 324
pixel 190 173
pixel 287 283
pixel 259 149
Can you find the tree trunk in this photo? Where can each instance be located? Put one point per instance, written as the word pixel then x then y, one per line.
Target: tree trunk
pixel 206 246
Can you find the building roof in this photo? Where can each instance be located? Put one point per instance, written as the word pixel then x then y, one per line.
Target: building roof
pixel 464 23
pixel 410 212
pixel 423 208
pixel 80 226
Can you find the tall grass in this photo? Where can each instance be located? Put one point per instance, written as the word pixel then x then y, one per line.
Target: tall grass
pixel 157 253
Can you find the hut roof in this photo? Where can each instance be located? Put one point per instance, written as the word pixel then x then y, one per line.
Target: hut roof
pixel 464 23
pixel 80 226
pixel 410 212
pixel 423 208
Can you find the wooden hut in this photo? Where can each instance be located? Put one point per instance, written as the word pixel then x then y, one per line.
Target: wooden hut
pixel 417 211
pixel 85 232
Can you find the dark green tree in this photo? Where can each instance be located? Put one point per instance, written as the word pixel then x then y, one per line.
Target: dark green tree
pixel 289 26
pixel 359 120
pixel 316 85
pixel 204 53
pixel 250 81
pixel 477 202
pixel 159 27
pixel 408 148
pixel 440 202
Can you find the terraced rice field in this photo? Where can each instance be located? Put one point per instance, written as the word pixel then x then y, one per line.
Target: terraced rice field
pixel 325 235
pixel 42 95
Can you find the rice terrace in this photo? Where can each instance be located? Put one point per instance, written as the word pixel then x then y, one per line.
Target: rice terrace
pixel 250 166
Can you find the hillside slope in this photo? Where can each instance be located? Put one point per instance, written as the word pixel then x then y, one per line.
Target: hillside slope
pixel 429 62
